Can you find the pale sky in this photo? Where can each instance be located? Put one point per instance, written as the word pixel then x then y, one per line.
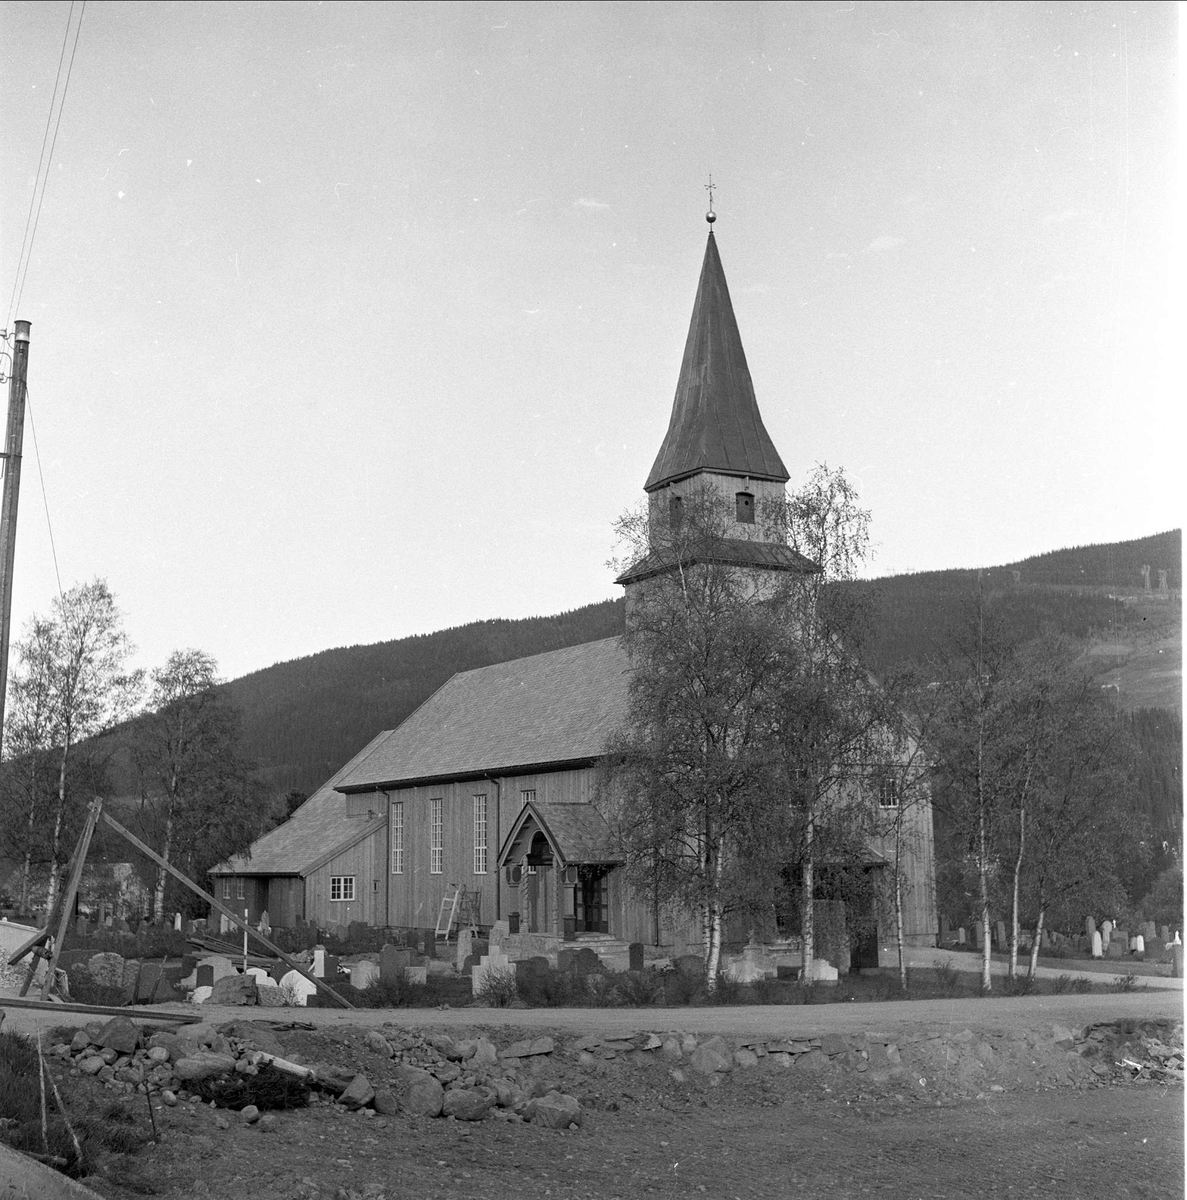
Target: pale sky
pixel 354 321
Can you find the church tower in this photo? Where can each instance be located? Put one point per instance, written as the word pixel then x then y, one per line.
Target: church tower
pixel 717 450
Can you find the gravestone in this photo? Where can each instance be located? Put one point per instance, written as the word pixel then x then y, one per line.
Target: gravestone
pixel 1139 944
pixel 1001 935
pixel 177 922
pixel 298 987
pixel 205 975
pixel 1045 939
pixel 961 937
pixel 1113 949
pixel 319 962
pixel 393 961
pixel 81 927
pixel 1106 931
pixel 1150 932
pixel 636 956
pixel 465 938
pixel 1165 934
pixel 364 974
pixel 495 962
pixel 1089 926
pixel 1097 945
pixel 331 967
pixel 977 934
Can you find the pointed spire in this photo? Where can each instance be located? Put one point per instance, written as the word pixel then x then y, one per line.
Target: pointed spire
pixel 715 423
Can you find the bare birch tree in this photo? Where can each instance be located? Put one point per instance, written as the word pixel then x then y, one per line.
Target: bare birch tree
pixel 76 662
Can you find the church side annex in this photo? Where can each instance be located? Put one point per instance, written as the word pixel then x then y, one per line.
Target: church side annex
pixel 490 786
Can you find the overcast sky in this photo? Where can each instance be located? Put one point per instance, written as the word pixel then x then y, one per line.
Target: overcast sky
pixel 353 321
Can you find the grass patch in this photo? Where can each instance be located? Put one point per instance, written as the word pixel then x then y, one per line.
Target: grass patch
pixel 101 1127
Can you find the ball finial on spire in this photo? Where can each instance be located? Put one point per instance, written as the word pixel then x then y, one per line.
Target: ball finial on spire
pixel 710 216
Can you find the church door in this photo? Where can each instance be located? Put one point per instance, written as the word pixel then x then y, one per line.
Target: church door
pixel 594 895
pixel 540 886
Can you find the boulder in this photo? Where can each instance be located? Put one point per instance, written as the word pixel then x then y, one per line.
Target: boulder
pixel 706 1060
pixel 234 990
pixel 423 1095
pixel 530 1047
pixel 358 1094
pixel 465 1104
pixel 554 1111
pixel 201 995
pixel 378 1044
pixel 120 1035
pixel 268 995
pixel 385 1103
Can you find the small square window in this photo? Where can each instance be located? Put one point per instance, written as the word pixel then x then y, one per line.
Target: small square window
pixel 342 887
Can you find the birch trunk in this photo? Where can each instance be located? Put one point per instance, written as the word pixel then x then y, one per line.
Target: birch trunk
pixel 808 907
pixel 55 870
pixel 1034 950
pixel 1013 969
pixel 158 900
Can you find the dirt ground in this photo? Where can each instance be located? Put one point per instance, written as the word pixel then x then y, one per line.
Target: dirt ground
pixel 762 1133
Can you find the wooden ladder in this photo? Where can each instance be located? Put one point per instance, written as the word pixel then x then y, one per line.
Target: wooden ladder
pixel 460 908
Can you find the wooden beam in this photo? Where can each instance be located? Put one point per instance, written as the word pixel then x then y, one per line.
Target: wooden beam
pixel 67 898
pixel 99 1010
pixel 321 985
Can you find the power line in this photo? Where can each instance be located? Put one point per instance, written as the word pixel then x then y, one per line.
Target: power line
pixel 42 178
pixel 44 495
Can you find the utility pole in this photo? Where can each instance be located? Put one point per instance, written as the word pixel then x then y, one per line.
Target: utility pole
pixel 13 441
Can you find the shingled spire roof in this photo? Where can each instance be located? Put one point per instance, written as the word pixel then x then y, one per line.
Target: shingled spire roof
pixel 715 422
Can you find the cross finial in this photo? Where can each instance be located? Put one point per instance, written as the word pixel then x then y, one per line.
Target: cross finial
pixel 710 216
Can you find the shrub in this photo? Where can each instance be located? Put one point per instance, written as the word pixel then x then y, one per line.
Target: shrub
pixel 498 988
pixel 1020 985
pixel 727 991
pixel 681 990
pixel 948 978
pixel 600 991
pixel 640 989
pixel 1128 983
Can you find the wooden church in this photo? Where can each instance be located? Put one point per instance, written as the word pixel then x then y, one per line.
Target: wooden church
pixel 487 791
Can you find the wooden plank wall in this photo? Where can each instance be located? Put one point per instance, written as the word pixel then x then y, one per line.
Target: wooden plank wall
pixel 416 895
pixel 365 861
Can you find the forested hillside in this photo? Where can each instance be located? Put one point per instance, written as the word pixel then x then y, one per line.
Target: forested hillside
pixel 303 719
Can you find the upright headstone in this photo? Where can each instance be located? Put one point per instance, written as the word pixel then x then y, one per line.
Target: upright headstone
pixel 1089 926
pixel 177 922
pixel 636 956
pixel 1106 932
pixel 1150 932
pixel 1097 945
pixel 394 961
pixel 961 937
pixel 81 927
pixel 319 962
pixel 977 930
pixel 1001 935
pixel 465 939
pixel 1045 938
pixel 1139 944
pixel 1165 934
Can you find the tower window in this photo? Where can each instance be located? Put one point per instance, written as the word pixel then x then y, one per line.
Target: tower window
pixel 675 510
pixel 745 507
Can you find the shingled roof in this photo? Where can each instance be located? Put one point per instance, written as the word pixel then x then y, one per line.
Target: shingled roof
pixel 541 711
pixel 734 552
pixel 578 833
pixel 715 423
pixel 319 826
